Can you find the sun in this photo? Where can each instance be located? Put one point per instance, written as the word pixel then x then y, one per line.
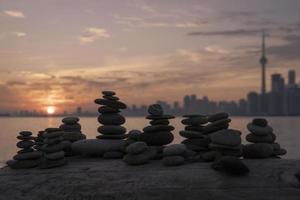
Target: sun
pixel 50 110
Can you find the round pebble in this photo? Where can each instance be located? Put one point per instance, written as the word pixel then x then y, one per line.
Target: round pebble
pixel 155 109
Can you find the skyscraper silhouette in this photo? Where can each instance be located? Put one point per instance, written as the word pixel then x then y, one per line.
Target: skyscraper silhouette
pixel 263 102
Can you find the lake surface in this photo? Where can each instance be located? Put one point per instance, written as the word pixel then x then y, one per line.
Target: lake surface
pixel 286 129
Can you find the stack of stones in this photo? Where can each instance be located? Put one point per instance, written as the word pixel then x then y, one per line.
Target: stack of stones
pixel 111 120
pixel 71 129
pixel 159 132
pixel 139 153
pixel 227 142
pixel 53 149
pixel 193 131
pixel 39 141
pixel 263 140
pixel 218 121
pixel 174 155
pixel 26 157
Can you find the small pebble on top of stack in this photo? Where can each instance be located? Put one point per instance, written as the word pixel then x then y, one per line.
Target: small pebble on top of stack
pixel 174 155
pixel 111 120
pixel 54 155
pixel 263 140
pixel 71 129
pixel 196 140
pixel 159 132
pixel 26 157
pixel 227 142
pixel 139 153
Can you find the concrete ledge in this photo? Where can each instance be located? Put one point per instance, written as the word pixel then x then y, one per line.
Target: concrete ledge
pixel 89 179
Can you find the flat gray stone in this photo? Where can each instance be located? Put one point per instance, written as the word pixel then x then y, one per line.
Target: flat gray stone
pixel 258 130
pixel 174 150
pixel 70 120
pixel 137 148
pixel 55 155
pixel 140 159
pixel 226 137
pixel 28 156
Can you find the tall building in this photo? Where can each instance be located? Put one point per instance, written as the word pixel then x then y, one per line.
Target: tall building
pixel 253 103
pixel 292 77
pixel 276 103
pixel 263 98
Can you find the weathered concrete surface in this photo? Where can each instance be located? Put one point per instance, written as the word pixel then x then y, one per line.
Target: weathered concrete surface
pixel 89 179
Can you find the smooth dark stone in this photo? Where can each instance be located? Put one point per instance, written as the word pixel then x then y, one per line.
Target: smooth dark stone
pixel 140 159
pixel 217 123
pixel 112 137
pixel 25 133
pixel 70 120
pixel 157 138
pixel 52 130
pixel 155 109
pixel 230 165
pixel 160 122
pixel 153 117
pixel 25 150
pixel 203 142
pixel 173 160
pixel 196 148
pixel 51 141
pixel 191 134
pixel 23 164
pixel 276 146
pixel 47 164
pixel 21 137
pixel 226 137
pixel 258 150
pixel 211 156
pixel 53 148
pixel 194 128
pixel 137 148
pixel 114 104
pixel 221 147
pixel 73 136
pixel 71 127
pixel 111 119
pixel 128 142
pixel 134 134
pixel 97 147
pixel 28 156
pixel 174 150
pixel 157 128
pixel 113 155
pixel 280 152
pixel 258 130
pixel 55 155
pixel 297 175
pixel 270 138
pixel 111 98
pixel 217 116
pixel 53 134
pixel 260 122
pixel 212 128
pixel 25 144
pixel 194 121
pixel 193 115
pixel 108 93
pixel 111 130
pixel 107 109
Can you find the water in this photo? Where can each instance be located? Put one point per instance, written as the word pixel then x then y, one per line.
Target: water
pixel 286 129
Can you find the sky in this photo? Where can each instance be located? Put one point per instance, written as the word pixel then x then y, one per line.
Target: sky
pixel 62 53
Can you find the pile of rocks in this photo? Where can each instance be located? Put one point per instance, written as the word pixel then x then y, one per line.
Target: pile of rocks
pixel 159 132
pixel 26 157
pixel 227 142
pixel 174 155
pixel 139 153
pixel 53 149
pixel 71 129
pixel 263 141
pixel 111 120
pixel 39 141
pixel 196 139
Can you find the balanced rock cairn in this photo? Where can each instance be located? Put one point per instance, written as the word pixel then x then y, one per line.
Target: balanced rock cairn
pixel 196 139
pixel 71 129
pixel 139 153
pixel 227 142
pixel 39 141
pixel 111 120
pixel 174 155
pixel 53 149
pixel 26 157
pixel 159 132
pixel 263 140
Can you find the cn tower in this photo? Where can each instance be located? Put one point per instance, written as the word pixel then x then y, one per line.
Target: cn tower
pixel 263 62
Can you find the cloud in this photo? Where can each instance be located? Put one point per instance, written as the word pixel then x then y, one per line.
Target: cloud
pixel 93 34
pixel 19 34
pixel 288 51
pixel 189 24
pixel 14 13
pixel 148 8
pixel 235 32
